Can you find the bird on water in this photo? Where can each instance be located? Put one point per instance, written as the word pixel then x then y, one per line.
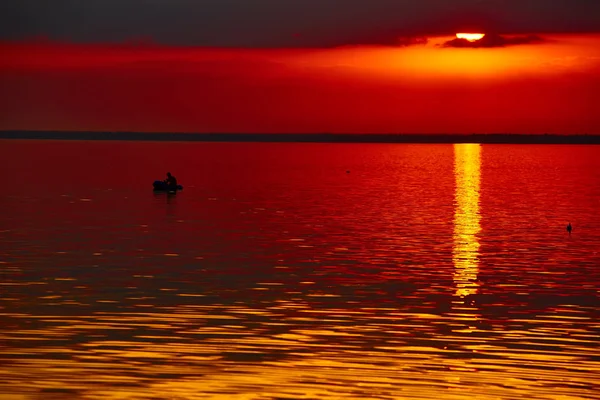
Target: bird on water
pixel 569 228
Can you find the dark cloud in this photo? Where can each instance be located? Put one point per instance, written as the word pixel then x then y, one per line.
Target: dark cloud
pixel 494 40
pixel 391 41
pixel 285 23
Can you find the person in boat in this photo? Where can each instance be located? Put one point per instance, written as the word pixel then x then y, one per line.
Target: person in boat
pixel 569 228
pixel 171 181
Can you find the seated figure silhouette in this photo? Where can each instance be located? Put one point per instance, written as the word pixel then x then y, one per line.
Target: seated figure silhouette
pixel 171 182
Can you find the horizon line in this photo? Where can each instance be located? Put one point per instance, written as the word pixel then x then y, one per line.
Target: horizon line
pixel 322 137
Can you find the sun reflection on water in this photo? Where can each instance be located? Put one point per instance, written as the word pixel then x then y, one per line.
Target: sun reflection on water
pixel 465 255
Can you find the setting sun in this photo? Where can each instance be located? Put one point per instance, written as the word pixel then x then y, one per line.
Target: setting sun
pixel 471 37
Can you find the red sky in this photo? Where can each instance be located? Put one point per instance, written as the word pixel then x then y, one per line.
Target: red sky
pixel 539 87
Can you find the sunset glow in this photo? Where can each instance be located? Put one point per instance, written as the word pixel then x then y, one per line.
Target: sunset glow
pixel 471 37
pixel 426 87
pixel 233 200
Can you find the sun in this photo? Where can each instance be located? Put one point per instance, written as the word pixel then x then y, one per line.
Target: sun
pixel 471 37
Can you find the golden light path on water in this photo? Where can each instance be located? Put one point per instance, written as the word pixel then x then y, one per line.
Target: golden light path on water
pixel 465 255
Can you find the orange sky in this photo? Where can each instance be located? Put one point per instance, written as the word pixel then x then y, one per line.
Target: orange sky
pixel 548 87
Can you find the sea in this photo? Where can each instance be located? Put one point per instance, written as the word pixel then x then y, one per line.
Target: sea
pixel 299 271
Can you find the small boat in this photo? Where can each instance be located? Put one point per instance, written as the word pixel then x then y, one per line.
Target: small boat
pixel 161 186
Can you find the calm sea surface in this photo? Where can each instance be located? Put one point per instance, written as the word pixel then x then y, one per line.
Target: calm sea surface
pixel 424 272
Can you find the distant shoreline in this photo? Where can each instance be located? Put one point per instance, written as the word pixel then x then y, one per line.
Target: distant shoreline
pixel 305 138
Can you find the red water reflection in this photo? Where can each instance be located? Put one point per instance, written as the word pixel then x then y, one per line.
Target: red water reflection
pixel 336 271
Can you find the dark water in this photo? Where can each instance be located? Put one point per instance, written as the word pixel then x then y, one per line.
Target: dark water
pixel 426 272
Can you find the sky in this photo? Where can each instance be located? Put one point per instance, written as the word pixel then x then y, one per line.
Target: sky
pixel 381 66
